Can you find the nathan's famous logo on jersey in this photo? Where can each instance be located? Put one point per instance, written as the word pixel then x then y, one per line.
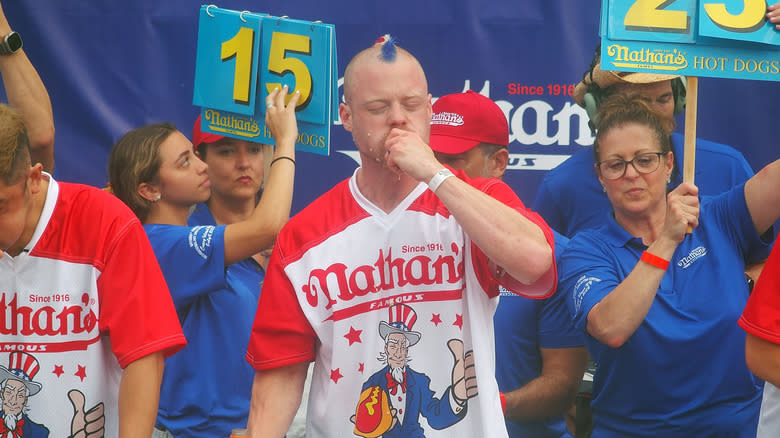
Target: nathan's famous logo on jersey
pixel 660 59
pixel 38 324
pixel 341 282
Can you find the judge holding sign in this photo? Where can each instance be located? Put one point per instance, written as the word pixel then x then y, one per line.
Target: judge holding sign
pixel 649 296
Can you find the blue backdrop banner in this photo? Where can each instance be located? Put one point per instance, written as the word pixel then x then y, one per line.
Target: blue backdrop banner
pixel 111 66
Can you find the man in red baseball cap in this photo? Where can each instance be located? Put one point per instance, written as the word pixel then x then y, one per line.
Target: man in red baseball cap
pixel 463 121
pixel 539 357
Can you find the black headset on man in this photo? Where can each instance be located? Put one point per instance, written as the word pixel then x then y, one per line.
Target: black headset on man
pixel 595 95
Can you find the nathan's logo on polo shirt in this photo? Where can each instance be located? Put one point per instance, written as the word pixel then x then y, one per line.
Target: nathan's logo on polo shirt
pixel 582 287
pixel 694 255
pixel 445 118
pixel 504 292
pixel 342 282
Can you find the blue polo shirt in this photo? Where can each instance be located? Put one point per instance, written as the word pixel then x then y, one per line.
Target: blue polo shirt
pixel 522 326
pixel 682 373
pixel 571 199
pixel 207 386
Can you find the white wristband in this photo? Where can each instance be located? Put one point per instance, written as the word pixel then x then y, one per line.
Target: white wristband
pixel 439 178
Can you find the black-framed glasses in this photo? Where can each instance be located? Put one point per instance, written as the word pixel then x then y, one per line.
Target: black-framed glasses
pixel 643 163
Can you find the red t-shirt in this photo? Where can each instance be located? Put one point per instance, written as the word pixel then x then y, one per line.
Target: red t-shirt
pixel 761 316
pixel 84 299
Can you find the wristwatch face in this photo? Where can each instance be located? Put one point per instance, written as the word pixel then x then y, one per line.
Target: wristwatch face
pixel 14 41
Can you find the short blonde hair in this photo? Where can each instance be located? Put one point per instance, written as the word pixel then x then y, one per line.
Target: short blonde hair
pixel 14 145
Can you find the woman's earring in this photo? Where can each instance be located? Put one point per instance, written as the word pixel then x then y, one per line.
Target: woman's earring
pixel 157 198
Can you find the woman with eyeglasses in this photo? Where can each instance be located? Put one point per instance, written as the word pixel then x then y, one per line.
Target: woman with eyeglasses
pixel 659 305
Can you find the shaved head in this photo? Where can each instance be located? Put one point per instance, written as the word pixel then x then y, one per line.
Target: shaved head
pixel 384 88
pixel 370 56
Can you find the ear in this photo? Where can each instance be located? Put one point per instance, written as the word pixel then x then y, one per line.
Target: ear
pixel 36 177
pixel 498 162
pixel 149 192
pixel 598 175
pixel 669 165
pixel 345 114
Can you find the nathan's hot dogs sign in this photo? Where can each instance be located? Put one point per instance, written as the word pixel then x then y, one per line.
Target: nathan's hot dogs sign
pixel 714 38
pixel 242 56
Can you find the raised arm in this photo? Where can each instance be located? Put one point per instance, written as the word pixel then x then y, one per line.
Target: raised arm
pixel 27 94
pixel 243 239
pixel 508 238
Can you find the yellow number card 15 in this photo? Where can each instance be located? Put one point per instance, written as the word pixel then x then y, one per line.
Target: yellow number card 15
pixel 242 56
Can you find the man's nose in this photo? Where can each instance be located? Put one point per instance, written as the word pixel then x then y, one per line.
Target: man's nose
pixel 397 115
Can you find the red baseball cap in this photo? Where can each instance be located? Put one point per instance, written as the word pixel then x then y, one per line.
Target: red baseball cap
pixel 461 121
pixel 199 137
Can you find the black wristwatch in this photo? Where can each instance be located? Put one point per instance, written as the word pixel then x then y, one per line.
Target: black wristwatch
pixel 11 43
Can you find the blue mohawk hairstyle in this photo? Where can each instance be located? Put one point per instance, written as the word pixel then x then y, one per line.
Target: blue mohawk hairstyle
pixel 388 47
